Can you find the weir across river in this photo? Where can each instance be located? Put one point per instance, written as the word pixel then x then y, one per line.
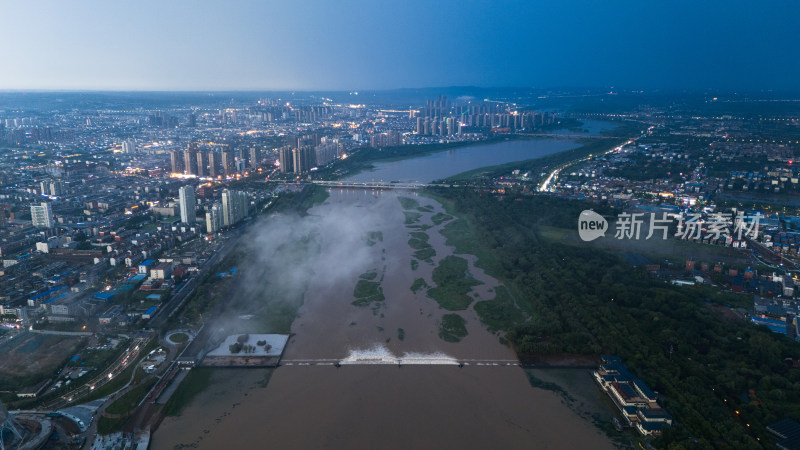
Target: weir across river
pixel 399 362
pixel 380 355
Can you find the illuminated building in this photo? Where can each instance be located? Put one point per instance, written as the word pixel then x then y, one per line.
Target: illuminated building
pixel 176 160
pixel 42 215
pixel 190 158
pixel 188 204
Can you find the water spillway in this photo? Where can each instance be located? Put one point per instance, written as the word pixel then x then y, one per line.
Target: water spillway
pixel 379 354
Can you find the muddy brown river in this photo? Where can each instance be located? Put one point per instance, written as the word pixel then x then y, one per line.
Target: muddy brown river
pixel 394 389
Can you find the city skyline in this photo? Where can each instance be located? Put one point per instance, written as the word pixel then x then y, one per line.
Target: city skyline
pixel 248 45
pixel 392 219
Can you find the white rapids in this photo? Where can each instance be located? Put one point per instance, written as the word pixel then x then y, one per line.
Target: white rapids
pixel 379 354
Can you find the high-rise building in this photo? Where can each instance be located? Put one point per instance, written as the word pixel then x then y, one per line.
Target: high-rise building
pixel 452 126
pixel 58 187
pixel 227 208
pixel 240 154
pixel 228 165
pixel 285 159
pixel 300 159
pixel 188 204
pixel 234 207
pixel 176 159
pixel 128 146
pixel 202 163
pixel 190 158
pixel 242 205
pixel 326 152
pixel 213 164
pixel 42 215
pixel 53 187
pixel 255 157
pixel 214 218
pixel 390 138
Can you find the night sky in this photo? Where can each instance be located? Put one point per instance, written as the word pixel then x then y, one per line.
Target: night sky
pixel 351 45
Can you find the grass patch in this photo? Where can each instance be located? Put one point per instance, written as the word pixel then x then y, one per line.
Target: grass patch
pixel 418 284
pixel 452 328
pixel 107 425
pixel 425 254
pixel 461 234
pixel 419 242
pixel 179 338
pixel 440 218
pixel 195 382
pixel 369 276
pixel 452 284
pixel 411 217
pixel 366 288
pixel 422 236
pixel 367 292
pixel 312 195
pixel 408 203
pixel 401 334
pixel 497 314
pixel 414 264
pixel 125 404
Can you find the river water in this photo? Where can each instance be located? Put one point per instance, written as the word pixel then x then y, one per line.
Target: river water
pixel 425 169
pixel 399 384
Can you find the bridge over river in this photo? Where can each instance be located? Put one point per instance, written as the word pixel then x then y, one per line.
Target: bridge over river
pixel 378 185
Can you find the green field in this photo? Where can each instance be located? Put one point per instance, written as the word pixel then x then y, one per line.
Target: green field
pixel 126 404
pixel 496 314
pixel 367 292
pixel 419 242
pixel 411 217
pixel 654 249
pixel 440 218
pixel 195 382
pixel 179 338
pixel 418 285
pixel 452 328
pixel 408 203
pixel 452 284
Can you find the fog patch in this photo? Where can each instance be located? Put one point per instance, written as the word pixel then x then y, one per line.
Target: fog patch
pixel 284 252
